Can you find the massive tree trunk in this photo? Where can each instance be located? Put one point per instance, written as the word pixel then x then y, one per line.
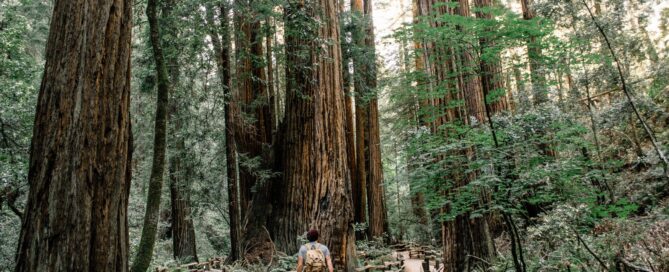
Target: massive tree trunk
pixel 472 236
pixel 79 175
pixel 150 227
pixel 222 47
pixel 316 176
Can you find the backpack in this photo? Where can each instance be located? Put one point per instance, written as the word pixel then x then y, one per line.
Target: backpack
pixel 314 259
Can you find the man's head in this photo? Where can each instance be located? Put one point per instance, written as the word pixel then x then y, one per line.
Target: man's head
pixel 312 235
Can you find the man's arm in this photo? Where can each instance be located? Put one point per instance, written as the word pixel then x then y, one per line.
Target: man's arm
pixel 329 260
pixel 299 264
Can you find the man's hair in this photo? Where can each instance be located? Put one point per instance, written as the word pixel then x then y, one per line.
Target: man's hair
pixel 312 235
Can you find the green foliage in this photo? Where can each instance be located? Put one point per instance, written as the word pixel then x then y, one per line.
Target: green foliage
pixel 23 30
pixel 542 160
pixel 620 209
pixel 610 192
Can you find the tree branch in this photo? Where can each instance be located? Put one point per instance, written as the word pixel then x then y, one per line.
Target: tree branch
pixel 601 262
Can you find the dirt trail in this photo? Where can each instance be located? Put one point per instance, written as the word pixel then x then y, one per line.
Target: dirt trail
pixel 412 265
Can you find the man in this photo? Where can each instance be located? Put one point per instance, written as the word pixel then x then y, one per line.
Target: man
pixel 314 256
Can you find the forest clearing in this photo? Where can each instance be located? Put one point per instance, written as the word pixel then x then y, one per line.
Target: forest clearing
pixel 334 135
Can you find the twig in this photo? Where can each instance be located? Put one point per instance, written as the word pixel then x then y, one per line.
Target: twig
pixel 488 263
pixel 631 265
pixel 598 95
pixel 578 236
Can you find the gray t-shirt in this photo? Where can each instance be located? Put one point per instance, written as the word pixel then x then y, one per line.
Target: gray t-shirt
pixel 323 248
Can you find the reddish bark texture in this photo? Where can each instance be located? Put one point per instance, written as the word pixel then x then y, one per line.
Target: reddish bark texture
pixel 79 175
pixel 318 191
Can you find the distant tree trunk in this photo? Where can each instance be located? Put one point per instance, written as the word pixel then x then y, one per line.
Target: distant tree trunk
pixel 534 53
pixel 359 214
pixel 492 79
pixel 469 81
pixel 180 171
pixel 368 144
pixel 523 94
pixel 183 231
pixel 222 47
pixel 315 176
pixel 537 75
pixel 79 176
pixel 573 95
pixel 144 255
pixel 271 90
pixel 378 217
pixel 417 197
pixel 360 181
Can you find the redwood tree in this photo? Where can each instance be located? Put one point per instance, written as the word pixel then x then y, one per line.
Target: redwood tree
pixel 180 170
pixel 79 175
pixel 357 51
pixel 254 126
pixel 417 197
pixel 316 186
pixel 220 36
pixel 492 80
pixel 452 67
pixel 367 119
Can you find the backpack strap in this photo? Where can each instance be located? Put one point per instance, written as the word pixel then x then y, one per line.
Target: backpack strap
pixel 309 246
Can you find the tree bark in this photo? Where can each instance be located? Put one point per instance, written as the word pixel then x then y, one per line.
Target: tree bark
pixel 183 231
pixel 316 178
pixel 350 125
pixel 255 126
pixel 144 255
pixel 222 50
pixel 378 217
pixel 79 174
pixel 361 112
pixel 462 237
pixel 469 81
